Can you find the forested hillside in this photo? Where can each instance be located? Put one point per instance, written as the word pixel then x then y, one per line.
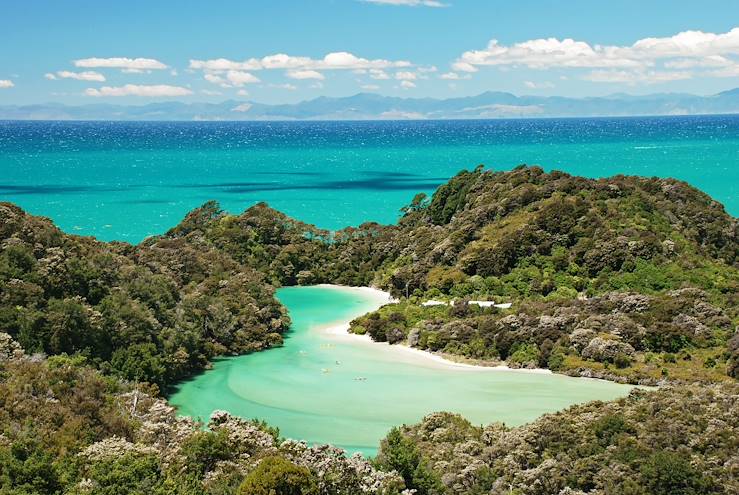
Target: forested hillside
pixel 627 278
pixel 154 315
pixel 630 279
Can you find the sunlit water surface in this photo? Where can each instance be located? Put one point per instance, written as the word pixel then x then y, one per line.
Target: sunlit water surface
pixel 346 391
pixel 127 180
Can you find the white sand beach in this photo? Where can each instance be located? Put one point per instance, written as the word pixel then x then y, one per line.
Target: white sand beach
pixel 380 298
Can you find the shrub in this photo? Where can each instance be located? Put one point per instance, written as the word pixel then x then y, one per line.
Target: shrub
pixel 275 475
pixel 669 473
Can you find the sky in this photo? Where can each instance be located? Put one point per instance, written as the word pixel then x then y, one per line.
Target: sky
pixel 284 51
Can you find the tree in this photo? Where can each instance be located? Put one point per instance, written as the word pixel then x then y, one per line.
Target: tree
pixel 669 473
pixel 139 362
pixel 278 476
pixel 402 455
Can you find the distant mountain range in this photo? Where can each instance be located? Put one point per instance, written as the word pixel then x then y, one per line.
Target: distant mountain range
pixel 369 106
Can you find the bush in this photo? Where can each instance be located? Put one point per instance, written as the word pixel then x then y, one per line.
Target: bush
pixel 402 455
pixel 277 476
pixel 622 360
pixel 204 449
pixel 525 355
pixel 669 473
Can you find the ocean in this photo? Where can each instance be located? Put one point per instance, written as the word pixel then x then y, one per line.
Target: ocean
pixel 128 180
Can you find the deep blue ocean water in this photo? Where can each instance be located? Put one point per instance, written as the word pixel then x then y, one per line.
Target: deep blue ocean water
pixel 127 180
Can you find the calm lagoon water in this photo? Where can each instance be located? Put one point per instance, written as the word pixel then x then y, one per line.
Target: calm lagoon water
pixel 127 180
pixel 310 387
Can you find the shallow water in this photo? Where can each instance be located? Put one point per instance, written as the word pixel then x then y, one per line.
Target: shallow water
pixel 127 180
pixel 309 388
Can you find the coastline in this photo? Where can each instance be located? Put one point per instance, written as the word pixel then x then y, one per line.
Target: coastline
pixel 379 298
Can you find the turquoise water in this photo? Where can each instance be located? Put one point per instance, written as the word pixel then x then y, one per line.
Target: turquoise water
pixel 124 181
pixel 347 391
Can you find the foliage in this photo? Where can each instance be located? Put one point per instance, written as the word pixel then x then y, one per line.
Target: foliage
pixel 398 453
pixel 627 278
pixel 276 475
pixel 66 428
pixel 651 442
pixel 155 313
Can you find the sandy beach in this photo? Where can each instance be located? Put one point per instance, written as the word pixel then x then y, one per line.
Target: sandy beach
pixel 419 356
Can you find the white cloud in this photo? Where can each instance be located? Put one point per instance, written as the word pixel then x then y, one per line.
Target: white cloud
pixel 305 74
pixel 690 63
pixel 317 85
pixel 244 107
pixel 231 79
pixel 139 90
pixel 139 64
pixel 242 92
pixel 543 54
pixel 332 61
pixel 407 84
pixel 50 76
pixel 732 71
pixel 210 92
pixel 213 78
pixel 410 3
pixel 633 77
pixel 6 83
pixel 464 66
pixel 88 75
pixel 647 60
pixel 379 74
pixel 286 86
pixel 688 44
pixel 238 78
pixel 370 87
pixel 222 64
pixel 538 85
pixel 406 76
pixel 453 76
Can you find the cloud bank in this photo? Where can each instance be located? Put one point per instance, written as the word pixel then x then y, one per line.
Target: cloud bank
pixel 129 64
pixel 646 60
pixel 139 90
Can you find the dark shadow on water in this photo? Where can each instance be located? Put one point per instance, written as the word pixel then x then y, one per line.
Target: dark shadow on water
pixel 288 173
pixel 371 181
pixel 359 185
pixel 366 181
pixel 58 189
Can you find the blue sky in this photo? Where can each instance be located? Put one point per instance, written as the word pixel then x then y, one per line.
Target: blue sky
pixel 282 51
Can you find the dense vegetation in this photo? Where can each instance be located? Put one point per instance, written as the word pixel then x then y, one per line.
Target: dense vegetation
pixel 518 234
pixel 153 313
pixel 562 249
pixel 66 428
pixel 675 441
pixel 625 278
pixel 630 279
pixel 626 337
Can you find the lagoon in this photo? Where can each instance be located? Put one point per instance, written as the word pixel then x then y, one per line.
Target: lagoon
pixel 325 386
